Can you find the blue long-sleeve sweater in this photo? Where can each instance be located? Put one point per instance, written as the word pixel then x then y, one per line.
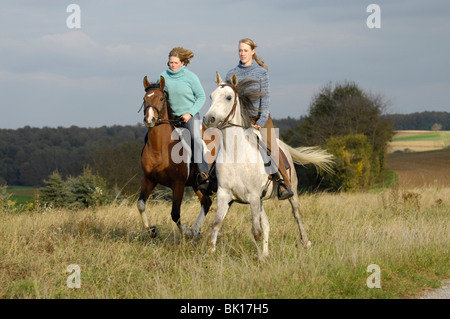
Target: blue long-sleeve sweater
pixel 256 72
pixel 186 93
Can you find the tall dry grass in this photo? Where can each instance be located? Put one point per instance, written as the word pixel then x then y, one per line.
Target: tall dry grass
pixel 407 238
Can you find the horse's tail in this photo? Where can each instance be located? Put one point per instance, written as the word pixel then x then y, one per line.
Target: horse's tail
pixel 320 158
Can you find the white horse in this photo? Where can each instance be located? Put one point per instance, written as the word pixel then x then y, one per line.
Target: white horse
pixel 241 173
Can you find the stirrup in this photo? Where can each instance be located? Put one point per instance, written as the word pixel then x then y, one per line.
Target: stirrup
pixel 284 194
pixel 204 184
pixel 200 177
pixel 287 192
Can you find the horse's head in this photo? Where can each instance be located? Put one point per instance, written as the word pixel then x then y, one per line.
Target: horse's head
pixel 224 100
pixel 155 102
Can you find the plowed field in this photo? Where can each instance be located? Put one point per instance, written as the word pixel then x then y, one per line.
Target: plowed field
pixel 421 169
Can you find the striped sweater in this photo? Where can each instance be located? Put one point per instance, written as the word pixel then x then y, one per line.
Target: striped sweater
pixel 256 72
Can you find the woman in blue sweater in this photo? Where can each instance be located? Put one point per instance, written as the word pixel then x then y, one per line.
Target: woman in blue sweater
pixel 251 67
pixel 187 97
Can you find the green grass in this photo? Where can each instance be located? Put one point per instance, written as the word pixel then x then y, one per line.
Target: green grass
pixel 390 178
pixel 22 194
pixel 408 241
pixel 419 137
pixel 426 137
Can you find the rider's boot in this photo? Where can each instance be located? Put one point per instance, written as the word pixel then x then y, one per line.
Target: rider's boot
pixel 203 181
pixel 284 191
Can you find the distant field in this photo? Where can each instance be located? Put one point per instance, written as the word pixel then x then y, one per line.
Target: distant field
pixel 419 141
pixel 22 194
pixel 425 159
pixel 421 169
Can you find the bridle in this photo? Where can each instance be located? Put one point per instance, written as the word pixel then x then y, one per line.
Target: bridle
pixel 160 112
pixel 225 123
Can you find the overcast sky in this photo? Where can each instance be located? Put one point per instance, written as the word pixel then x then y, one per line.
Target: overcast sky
pixel 52 75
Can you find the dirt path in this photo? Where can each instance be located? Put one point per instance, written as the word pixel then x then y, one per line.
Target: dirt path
pixel 441 293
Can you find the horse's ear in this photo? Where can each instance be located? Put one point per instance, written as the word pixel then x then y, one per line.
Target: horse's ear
pixel 146 83
pixel 218 78
pixel 162 83
pixel 234 80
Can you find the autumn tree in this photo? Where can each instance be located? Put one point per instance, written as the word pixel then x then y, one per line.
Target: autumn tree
pixel 120 166
pixel 342 110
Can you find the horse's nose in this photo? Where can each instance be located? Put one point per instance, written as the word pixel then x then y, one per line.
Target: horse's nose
pixel 209 120
pixel 148 123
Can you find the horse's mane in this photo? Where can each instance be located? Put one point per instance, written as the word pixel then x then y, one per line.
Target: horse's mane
pixel 155 85
pixel 248 91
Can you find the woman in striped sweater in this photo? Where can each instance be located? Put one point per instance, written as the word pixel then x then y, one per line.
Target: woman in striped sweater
pixel 251 67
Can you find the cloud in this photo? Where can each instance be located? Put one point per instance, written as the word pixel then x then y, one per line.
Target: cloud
pixel 75 54
pixel 98 69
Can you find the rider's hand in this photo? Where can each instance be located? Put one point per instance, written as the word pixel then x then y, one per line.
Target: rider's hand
pixel 256 126
pixel 186 117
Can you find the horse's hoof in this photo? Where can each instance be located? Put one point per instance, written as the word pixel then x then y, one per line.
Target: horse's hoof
pixel 189 233
pixel 211 249
pixel 308 245
pixel 263 259
pixel 197 235
pixel 152 232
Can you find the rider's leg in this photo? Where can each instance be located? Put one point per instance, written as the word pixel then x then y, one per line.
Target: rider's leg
pixel 268 134
pixel 201 166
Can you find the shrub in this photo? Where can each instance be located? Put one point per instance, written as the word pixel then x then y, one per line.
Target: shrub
pixel 4 197
pixel 353 158
pixel 86 190
pixel 56 192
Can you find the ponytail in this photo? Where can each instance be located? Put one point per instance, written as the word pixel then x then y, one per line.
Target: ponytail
pixel 260 62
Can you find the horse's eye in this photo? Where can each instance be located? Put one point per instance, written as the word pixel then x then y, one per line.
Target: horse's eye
pixel 229 97
pixel 162 99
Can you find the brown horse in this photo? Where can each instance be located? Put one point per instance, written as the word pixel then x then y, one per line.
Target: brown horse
pixel 157 163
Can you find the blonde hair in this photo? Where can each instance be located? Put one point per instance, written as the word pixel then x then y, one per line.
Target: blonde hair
pixel 184 55
pixel 253 45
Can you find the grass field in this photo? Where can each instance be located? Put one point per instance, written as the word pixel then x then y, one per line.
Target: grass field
pixel 436 136
pixel 419 141
pixel 408 239
pixel 22 194
pixel 403 229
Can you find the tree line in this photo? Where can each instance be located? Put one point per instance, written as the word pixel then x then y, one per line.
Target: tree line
pixel 342 118
pixel 30 155
pixel 426 121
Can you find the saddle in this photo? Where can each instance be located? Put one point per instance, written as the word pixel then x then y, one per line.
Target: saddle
pixel 176 121
pixel 268 161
